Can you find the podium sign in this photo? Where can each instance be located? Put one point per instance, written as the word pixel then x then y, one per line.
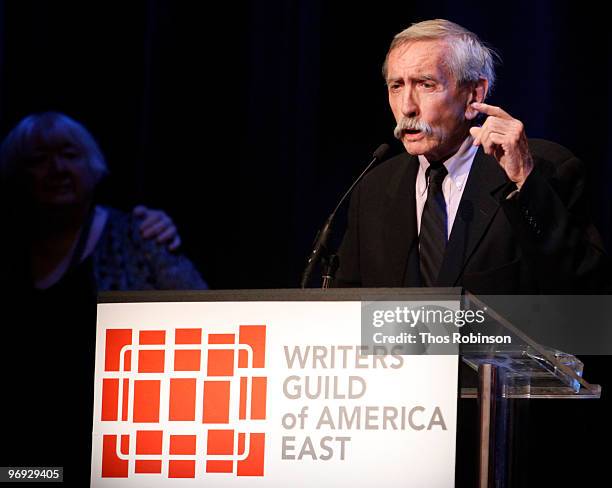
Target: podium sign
pixel 264 393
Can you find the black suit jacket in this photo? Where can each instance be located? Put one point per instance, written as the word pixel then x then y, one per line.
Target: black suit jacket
pixel 540 241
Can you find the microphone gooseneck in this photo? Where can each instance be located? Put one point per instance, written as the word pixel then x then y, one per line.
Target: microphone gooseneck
pixel 319 247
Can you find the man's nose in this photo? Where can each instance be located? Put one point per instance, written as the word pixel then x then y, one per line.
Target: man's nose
pixel 410 107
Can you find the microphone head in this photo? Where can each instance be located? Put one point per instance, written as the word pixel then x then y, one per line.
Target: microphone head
pixel 381 151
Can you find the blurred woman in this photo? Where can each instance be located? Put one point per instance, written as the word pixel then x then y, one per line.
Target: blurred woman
pixel 51 164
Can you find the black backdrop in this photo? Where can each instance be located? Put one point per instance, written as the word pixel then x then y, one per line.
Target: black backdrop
pixel 246 120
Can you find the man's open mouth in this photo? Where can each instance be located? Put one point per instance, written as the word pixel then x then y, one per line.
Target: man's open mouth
pixel 412 131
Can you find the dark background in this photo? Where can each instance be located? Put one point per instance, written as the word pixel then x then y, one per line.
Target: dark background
pixel 247 120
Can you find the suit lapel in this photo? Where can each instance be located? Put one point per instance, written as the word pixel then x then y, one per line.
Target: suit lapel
pixel 400 227
pixel 477 208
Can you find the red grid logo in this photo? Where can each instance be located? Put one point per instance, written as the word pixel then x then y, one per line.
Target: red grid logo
pixel 183 403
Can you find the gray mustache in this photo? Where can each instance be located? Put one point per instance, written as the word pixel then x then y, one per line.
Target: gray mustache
pixel 411 123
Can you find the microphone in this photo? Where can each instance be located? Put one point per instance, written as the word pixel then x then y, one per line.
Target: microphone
pixel 320 242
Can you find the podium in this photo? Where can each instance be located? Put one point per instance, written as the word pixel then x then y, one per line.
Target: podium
pixel 526 370
pixel 494 372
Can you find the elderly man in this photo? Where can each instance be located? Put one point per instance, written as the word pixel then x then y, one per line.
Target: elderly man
pixel 475 206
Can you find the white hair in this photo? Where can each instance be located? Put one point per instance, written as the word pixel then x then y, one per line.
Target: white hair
pixel 48 126
pixel 468 58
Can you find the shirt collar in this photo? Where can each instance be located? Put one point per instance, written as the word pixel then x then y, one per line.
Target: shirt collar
pixel 458 166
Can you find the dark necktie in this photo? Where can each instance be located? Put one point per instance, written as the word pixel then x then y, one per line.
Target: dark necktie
pixel 434 232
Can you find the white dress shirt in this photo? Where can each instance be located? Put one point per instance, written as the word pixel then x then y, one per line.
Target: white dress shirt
pixel 458 167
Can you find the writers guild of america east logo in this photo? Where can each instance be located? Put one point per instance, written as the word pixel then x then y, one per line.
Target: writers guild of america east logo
pixel 183 403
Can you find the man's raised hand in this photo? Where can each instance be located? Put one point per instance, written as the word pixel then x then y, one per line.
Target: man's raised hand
pixel 504 138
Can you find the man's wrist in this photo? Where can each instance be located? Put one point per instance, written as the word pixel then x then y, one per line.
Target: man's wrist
pixel 526 171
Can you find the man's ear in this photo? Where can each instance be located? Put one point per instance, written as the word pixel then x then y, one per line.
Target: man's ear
pixel 477 93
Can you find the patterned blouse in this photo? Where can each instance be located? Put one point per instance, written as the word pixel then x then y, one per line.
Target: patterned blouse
pixel 124 260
